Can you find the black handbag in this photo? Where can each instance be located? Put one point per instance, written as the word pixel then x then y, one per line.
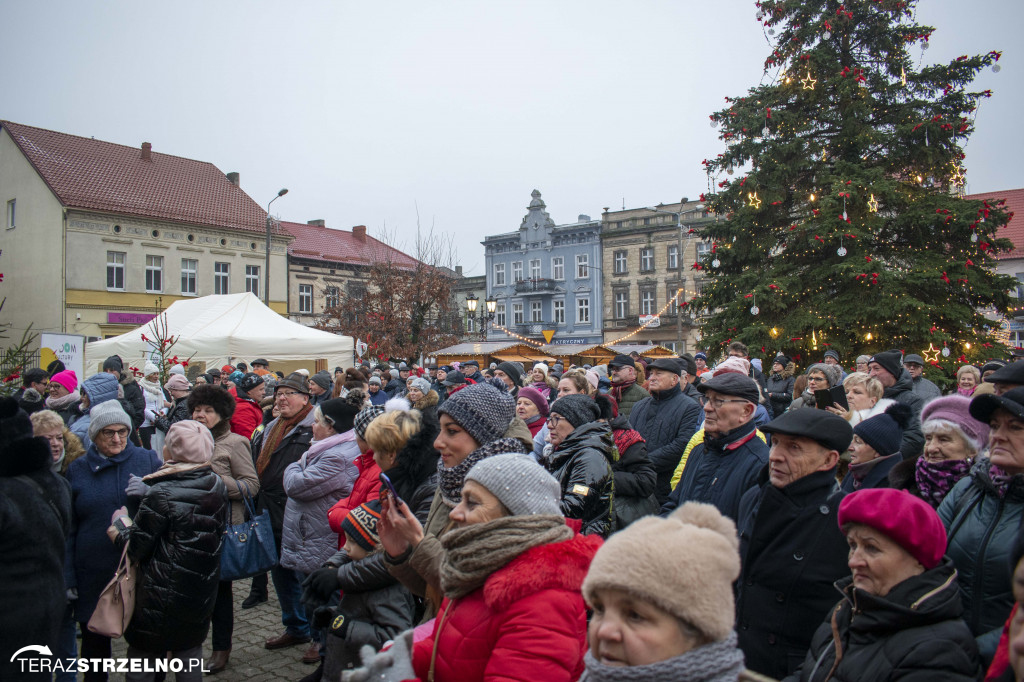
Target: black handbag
pixel 248 548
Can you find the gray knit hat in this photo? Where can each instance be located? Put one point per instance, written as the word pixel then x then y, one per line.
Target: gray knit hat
pixel 322 379
pixel 365 416
pixel 519 483
pixel 577 408
pixel 420 383
pixel 105 414
pixel 482 410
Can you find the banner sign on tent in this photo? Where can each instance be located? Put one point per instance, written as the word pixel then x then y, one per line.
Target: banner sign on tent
pixel 68 348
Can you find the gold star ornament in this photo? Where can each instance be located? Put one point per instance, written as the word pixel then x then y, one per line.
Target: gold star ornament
pixel 932 354
pixel 808 82
pixel 754 201
pixel 873 204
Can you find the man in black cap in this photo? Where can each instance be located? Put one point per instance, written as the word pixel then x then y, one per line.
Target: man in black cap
pixel 453 381
pixel 214 374
pixel 511 376
pixel 887 367
pixel 1006 378
pixel 260 366
pixel 690 379
pixel 625 390
pixel 471 370
pixel 923 388
pixel 791 548
pixel 666 419
pixel 725 465
pixel 403 372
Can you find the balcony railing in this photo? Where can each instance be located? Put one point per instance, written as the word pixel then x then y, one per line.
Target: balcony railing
pixel 535 285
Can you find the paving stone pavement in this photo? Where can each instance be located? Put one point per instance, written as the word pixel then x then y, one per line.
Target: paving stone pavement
pixel 250 662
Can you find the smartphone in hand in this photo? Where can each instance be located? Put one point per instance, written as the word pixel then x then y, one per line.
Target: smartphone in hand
pixel 391 488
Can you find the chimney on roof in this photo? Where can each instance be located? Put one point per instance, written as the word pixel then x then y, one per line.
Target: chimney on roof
pixel 458 270
pixel 234 178
pixel 319 222
pixel 583 218
pixel 147 150
pixel 359 232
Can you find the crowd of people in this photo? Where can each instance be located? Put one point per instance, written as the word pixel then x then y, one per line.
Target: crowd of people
pixel 666 519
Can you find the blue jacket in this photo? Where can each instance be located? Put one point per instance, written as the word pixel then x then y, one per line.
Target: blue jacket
pixel 378 398
pixel 720 470
pixel 667 421
pixel 97 490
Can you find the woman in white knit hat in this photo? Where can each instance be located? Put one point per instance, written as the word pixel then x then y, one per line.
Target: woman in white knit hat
pixel 153 393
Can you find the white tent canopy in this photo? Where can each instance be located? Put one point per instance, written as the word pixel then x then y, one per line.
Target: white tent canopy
pixel 227 329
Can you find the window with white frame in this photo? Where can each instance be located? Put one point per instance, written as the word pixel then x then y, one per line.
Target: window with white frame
pixel 673 257
pixel 517 271
pixel 535 269
pixel 646 259
pixel 703 249
pixel 499 274
pixel 252 279
pixel 535 311
pixel 647 302
pixel 189 268
pixel 305 298
pixel 558 268
pixel 154 274
pixel 332 297
pixel 619 263
pixel 470 324
pixel 499 315
pixel 621 304
pixel 583 310
pixel 673 296
pixel 221 278
pixel 583 267
pixel 115 270
pixel 517 313
pixel 12 206
pixel 558 312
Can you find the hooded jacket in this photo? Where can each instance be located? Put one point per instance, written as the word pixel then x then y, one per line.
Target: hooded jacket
pixel 913 633
pixel 528 621
pixel 365 489
pixel 582 465
pixel 247 416
pixel 667 420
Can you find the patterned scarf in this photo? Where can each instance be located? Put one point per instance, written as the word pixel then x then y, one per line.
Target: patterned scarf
pixel 64 402
pixel 618 389
pixel 473 553
pixel 626 438
pixel 716 662
pixel 452 479
pixel 936 479
pixel 1000 479
pixel 272 438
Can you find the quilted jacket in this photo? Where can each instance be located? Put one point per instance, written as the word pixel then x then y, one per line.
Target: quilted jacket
pixel 365 489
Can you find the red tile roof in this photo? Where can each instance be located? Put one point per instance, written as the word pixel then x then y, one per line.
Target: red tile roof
pixel 1014 230
pixel 338 246
pixel 92 174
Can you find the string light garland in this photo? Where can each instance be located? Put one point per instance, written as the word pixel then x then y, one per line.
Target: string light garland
pixel 681 291
pixel 521 338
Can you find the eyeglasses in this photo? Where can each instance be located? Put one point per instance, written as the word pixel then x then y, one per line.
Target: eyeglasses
pixel 718 402
pixel 286 394
pixel 554 420
pixel 114 433
pixel 816 379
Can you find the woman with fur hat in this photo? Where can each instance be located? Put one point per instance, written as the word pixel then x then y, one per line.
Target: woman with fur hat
pixel 174 537
pixel 662 597
pixel 875 448
pixel 901 615
pixel 213 407
pixel 581 461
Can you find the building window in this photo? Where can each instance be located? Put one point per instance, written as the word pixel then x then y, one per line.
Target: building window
pixel 582 266
pixel 517 271
pixel 558 310
pixel 621 304
pixel 583 311
pixel 647 302
pixel 333 298
pixel 470 324
pixel 517 313
pixel 619 264
pixel 154 274
pixel 12 206
pixel 115 270
pixel 499 274
pixel 535 269
pixel 646 259
pixel 535 312
pixel 703 249
pixel 499 315
pixel 189 267
pixel 674 299
pixel 221 278
pixel 647 221
pixel 558 268
pixel 305 298
pixel 252 279
pixel 673 257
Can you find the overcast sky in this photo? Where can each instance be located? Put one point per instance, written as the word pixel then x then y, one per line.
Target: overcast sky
pixel 367 111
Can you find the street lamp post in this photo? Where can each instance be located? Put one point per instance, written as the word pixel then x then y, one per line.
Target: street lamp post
pixel 266 265
pixel 679 261
pixel 491 304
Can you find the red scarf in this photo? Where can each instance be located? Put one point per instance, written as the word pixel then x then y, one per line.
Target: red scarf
pixel 618 389
pixel 625 439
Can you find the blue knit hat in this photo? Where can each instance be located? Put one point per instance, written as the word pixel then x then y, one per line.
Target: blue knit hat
pixel 482 410
pixel 100 388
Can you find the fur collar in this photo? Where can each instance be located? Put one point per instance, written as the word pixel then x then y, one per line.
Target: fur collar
pixel 558 565
pixel 429 400
pixel 25 456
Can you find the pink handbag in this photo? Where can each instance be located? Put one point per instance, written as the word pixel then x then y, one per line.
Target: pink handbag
pixel 117 601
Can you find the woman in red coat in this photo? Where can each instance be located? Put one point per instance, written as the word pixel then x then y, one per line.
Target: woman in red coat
pixel 367 487
pixel 511 577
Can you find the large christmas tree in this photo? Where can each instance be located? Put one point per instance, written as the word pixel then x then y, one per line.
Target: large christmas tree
pixel 840 195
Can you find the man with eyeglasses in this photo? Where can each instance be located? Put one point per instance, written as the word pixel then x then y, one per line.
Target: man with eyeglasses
pixel 282 442
pixel 726 463
pixel 625 390
pixel 791 548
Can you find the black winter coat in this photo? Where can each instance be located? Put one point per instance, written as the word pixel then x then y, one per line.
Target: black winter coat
pixel 176 539
pixel 913 633
pixel 134 402
pixel 791 553
pixel 582 465
pixel 780 392
pixel 33 528
pixel 903 391
pixel 635 479
pixel 875 477
pixel 177 413
pixel 667 420
pixel 720 471
pixel 272 496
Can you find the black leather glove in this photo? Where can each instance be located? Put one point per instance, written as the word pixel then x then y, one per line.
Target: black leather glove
pixel 320 585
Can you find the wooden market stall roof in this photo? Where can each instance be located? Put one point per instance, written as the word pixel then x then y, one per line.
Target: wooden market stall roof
pixel 575 353
pixel 645 350
pixel 486 352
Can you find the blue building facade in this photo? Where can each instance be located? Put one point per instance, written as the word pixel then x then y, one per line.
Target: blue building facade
pixel 546 277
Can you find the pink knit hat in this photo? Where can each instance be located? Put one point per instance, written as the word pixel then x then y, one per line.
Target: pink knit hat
pixel 67 379
pixel 189 442
pixel 733 364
